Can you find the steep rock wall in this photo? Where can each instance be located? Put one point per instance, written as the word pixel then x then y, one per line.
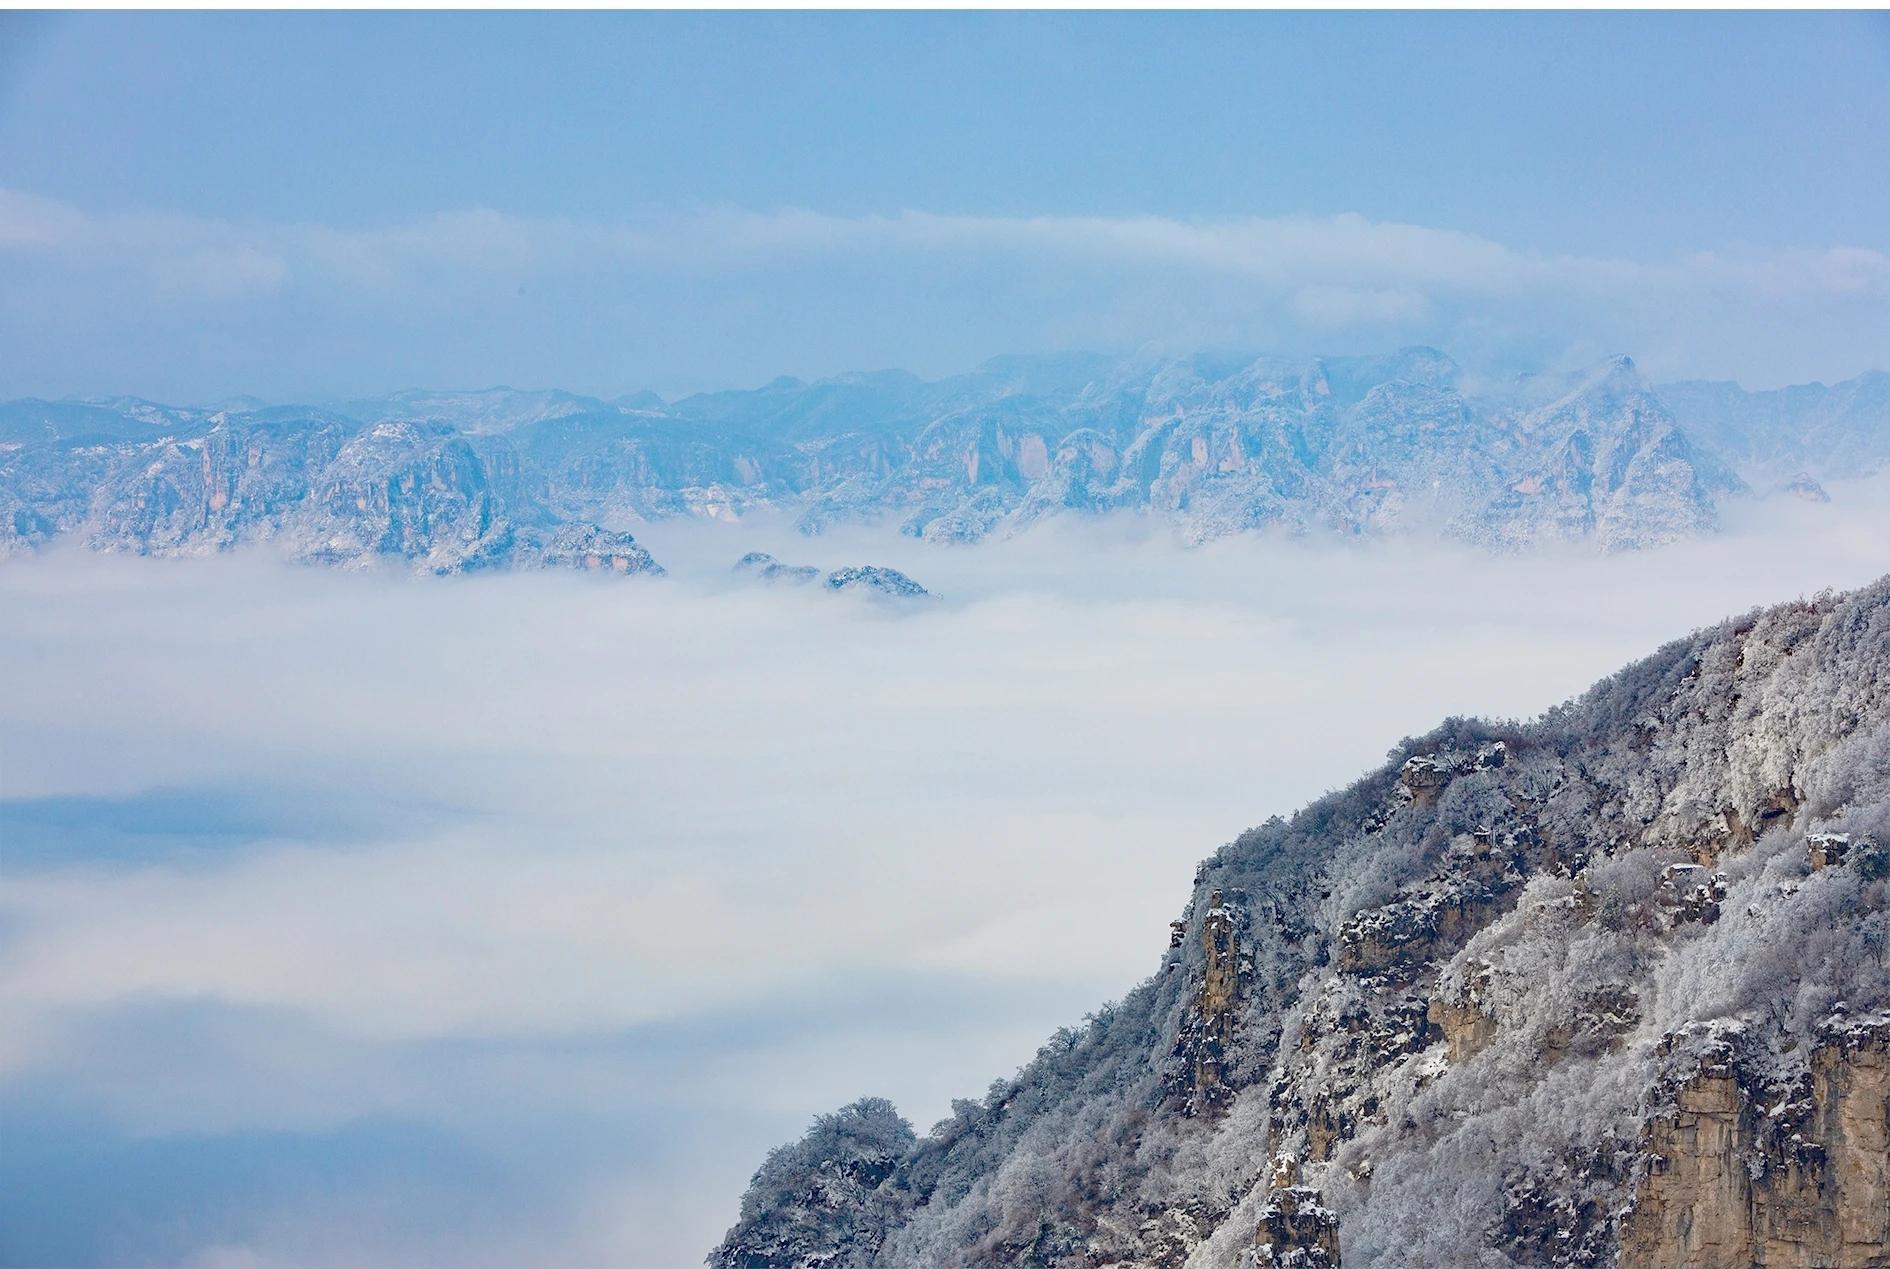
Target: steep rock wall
pixel 1798 1180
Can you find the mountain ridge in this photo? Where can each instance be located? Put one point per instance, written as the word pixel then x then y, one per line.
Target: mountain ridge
pixel 1607 987
pixel 1212 444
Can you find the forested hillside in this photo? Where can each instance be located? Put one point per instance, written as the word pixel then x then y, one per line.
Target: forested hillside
pixel 1612 986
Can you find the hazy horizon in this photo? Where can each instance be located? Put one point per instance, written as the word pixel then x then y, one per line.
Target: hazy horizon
pixel 1154 350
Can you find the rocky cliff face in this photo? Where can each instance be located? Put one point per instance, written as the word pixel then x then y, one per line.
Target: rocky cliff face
pixel 1616 467
pixel 319 486
pixel 1609 988
pixel 1353 445
pixel 1738 1172
pixel 1207 1040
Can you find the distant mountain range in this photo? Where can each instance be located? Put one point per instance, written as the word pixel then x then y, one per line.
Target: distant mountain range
pixel 454 481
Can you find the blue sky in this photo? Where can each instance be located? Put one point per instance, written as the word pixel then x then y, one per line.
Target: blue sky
pixel 328 204
pixel 1593 133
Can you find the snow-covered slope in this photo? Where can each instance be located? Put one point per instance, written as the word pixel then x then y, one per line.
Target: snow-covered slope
pixel 1612 987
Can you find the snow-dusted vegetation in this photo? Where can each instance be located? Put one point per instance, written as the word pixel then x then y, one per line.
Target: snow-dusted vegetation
pixel 1472 994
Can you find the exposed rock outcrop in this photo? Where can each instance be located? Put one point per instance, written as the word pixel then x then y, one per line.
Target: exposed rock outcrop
pixel 871 579
pixel 1741 1174
pixel 1804 488
pixel 1294 1230
pixel 585 546
pixel 1210 1032
pixel 1822 850
pixel 764 567
pixel 1465 1019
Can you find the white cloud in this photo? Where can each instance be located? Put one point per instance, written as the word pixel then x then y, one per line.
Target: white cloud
pixel 685 795
pixel 1341 251
pixel 931 281
pixel 1339 306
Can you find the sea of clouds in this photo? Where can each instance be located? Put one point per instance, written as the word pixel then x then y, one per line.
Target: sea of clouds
pixel 372 920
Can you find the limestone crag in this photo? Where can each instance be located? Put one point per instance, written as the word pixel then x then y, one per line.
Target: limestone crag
pixel 1740 1172
pixel 1210 1033
pixel 1294 1231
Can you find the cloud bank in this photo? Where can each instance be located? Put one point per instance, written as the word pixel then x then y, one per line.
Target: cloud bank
pixel 356 921
pixel 717 297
